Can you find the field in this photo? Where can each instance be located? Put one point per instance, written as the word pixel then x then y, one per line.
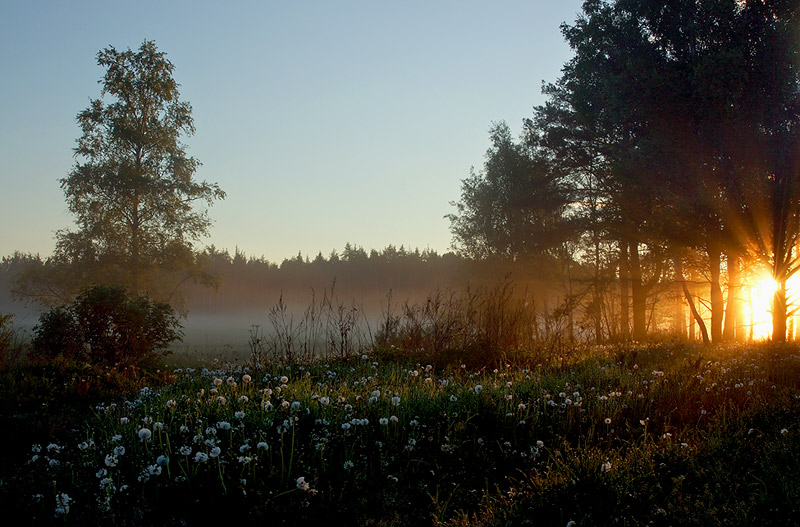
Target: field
pixel 661 434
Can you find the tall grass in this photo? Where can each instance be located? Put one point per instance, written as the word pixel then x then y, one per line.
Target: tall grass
pixel 475 326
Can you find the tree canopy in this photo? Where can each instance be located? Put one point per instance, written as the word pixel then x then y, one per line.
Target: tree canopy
pixel 132 189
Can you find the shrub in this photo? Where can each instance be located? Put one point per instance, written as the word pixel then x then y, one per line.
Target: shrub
pixel 108 326
pixel 10 347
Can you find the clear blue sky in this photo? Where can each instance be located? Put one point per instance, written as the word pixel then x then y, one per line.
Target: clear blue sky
pixel 325 122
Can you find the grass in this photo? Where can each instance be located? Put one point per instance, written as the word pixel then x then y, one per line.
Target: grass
pixel 662 434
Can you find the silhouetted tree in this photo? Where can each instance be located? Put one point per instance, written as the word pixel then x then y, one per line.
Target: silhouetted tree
pixel 132 189
pixel 515 208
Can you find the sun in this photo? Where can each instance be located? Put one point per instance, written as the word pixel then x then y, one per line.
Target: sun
pixel 757 294
pixel 758 306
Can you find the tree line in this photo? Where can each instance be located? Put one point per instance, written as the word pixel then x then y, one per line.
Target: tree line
pixel 672 135
pixel 661 173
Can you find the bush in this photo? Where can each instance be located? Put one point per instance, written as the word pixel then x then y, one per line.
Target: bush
pixel 106 325
pixel 10 346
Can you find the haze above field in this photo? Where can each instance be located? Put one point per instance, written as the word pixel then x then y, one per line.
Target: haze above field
pixel 324 123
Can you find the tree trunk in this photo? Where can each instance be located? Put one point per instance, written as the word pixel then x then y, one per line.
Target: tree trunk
pixel 689 300
pixel 717 301
pixel 680 317
pixel 733 313
pixel 779 313
pixel 596 299
pixel 624 288
pixel 639 295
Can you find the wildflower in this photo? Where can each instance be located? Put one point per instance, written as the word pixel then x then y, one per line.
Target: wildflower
pixel 244 448
pixel 36 448
pixel 606 466
pixel 376 394
pixel 284 379
pixel 217 381
pixel 345 426
pixel 183 429
pixel 478 388
pixel 453 398
pixel 393 419
pixel 230 381
pixel 239 415
pixel 246 378
pixel 145 434
pixel 62 504
pixel 162 461
pixel 324 401
pixel 123 420
pixel 607 421
pixel 185 450
pixel 296 405
pixel 154 470
pixel 540 444
pixel 111 460
pixel 171 403
pixel 383 421
pixel 101 473
pixel 262 445
pixel 201 457
pixel 302 484
pixel 119 451
pixel 158 425
pixel 348 465
pixel 396 401
pixel 285 405
pixel 54 463
pixel 216 451
pixel 224 425
pixel 221 400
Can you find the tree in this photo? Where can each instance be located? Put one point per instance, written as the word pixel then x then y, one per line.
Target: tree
pixel 515 208
pixel 132 189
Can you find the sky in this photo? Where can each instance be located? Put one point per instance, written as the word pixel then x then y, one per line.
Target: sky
pixel 324 122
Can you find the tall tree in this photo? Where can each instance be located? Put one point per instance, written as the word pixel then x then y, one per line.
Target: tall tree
pixel 515 208
pixel 132 189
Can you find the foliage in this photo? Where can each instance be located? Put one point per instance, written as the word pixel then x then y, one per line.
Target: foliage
pixel 10 347
pixel 612 436
pixel 132 189
pixel 514 208
pixel 105 325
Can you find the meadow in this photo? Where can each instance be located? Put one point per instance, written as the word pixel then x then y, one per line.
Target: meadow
pixel 658 434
